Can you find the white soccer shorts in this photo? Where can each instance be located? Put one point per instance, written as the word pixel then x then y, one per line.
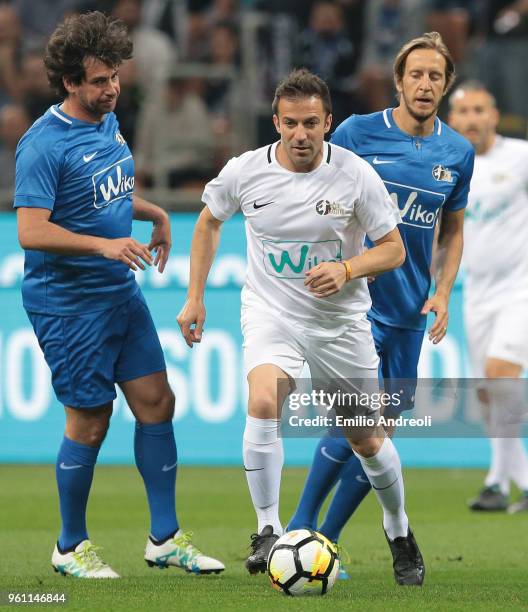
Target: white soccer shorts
pixel 286 344
pixel 501 334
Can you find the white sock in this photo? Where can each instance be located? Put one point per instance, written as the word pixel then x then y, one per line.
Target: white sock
pixel 505 422
pixel 518 463
pixel 499 471
pixel 385 475
pixel 263 458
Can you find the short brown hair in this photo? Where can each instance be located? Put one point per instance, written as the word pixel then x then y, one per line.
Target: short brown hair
pixel 429 40
pixel 301 83
pixel 79 37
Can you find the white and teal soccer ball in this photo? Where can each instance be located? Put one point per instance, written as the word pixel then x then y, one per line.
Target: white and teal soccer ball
pixel 303 562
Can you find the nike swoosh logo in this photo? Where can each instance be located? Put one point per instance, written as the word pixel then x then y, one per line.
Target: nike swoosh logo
pixel 63 466
pixel 252 469
pixel 360 478
pixel 387 487
pixel 88 158
pixel 168 468
pixel 325 454
pixel 377 161
pixel 256 206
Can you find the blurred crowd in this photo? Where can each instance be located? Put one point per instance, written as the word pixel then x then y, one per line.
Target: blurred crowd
pixel 199 87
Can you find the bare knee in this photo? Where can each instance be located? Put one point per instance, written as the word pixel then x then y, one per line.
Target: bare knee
pixel 167 404
pixel 157 408
pixel 97 432
pixel 88 426
pixel 263 407
pixel 367 447
pixel 483 396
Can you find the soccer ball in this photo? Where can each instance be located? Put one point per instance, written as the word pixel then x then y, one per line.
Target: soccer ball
pixel 303 562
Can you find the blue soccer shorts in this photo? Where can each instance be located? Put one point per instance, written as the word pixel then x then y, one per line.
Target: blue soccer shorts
pixel 89 353
pixel 399 352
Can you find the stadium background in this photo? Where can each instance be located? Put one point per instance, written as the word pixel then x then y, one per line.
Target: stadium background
pixel 198 92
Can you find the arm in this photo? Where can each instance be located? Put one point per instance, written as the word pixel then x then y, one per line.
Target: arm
pixel 37 232
pixel 446 263
pixel 161 231
pixel 328 278
pixel 203 248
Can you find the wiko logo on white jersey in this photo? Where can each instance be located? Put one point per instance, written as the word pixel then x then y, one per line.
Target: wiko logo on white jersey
pixel 113 183
pixel 291 259
pixel 418 207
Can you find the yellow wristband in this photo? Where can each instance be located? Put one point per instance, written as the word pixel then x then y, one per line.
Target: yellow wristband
pixel 348 269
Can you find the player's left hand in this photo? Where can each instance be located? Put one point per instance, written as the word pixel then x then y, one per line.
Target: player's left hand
pixel 161 242
pixel 325 279
pixel 438 305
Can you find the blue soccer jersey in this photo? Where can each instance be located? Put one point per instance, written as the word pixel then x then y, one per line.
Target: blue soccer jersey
pixel 84 174
pixel 423 176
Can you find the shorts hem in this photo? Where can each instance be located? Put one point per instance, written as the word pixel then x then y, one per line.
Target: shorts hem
pixel 89 406
pixel 390 323
pixel 142 373
pixel 509 357
pixel 287 371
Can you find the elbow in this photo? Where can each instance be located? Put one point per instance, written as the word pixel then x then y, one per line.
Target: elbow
pixel 402 255
pixel 24 238
pixel 398 257
pixel 28 238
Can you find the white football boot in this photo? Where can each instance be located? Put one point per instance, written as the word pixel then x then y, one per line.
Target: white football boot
pixel 83 562
pixel 179 551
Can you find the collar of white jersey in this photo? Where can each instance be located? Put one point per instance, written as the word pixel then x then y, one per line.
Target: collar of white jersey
pixel 272 157
pixel 390 123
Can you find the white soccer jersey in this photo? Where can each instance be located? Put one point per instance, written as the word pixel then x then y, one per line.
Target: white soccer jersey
pixel 295 221
pixel 496 226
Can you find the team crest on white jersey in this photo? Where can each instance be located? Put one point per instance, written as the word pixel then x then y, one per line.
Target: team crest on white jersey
pixel 119 138
pixel 500 177
pixel 441 173
pixel 324 207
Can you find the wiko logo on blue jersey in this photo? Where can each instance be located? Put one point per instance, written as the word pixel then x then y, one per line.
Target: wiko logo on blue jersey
pixel 114 182
pixel 291 259
pixel 418 207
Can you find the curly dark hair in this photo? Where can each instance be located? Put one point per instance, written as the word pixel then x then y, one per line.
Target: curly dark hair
pixel 82 36
pixel 301 83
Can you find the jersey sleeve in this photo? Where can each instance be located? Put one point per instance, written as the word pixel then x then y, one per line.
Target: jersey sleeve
pixel 220 195
pixel 36 175
pixel 376 212
pixel 459 196
pixel 344 134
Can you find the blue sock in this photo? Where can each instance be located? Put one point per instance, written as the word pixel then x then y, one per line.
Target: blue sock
pixel 331 454
pixel 74 471
pixel 156 460
pixel 351 490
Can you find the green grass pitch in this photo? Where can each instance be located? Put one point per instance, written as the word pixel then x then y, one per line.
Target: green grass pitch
pixel 474 562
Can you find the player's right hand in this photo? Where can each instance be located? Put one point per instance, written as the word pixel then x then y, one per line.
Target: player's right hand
pixel 192 313
pixel 129 251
